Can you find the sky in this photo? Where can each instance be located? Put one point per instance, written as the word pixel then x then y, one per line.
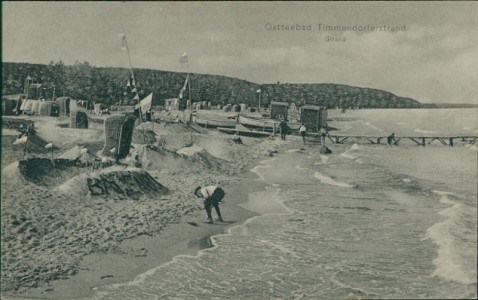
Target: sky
pixel 431 57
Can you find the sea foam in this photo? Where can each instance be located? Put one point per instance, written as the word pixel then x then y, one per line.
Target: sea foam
pixel 329 180
pixel 347 153
pixel 261 166
pixel 447 263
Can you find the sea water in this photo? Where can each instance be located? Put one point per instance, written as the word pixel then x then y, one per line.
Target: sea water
pixel 364 222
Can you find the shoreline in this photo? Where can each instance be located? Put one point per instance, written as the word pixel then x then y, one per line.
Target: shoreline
pixel 140 254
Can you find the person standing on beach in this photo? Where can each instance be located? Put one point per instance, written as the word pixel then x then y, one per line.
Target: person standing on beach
pixel 212 196
pixel 283 129
pixel 323 134
pixel 302 131
pixel 390 140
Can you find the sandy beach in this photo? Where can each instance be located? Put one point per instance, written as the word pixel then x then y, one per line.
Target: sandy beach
pixel 59 241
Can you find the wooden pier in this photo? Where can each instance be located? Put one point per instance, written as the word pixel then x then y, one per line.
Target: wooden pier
pixel 419 140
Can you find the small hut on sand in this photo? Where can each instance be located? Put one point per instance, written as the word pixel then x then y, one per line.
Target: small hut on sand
pixel 78 119
pixel 315 117
pixel 74 106
pixel 10 103
pixel 36 107
pixel 27 107
pixel 49 109
pixel 64 104
pixel 279 110
pixel 118 135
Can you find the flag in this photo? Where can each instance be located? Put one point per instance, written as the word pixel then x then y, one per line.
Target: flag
pixel 49 145
pixel 124 44
pixel 184 58
pixel 21 141
pixel 113 150
pixel 184 87
pixel 136 97
pixel 134 90
pixel 146 103
pixel 259 90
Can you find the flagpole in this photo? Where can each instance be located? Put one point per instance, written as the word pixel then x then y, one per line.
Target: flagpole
pixel 189 84
pixel 126 43
pixel 260 92
pixel 129 60
pixel 190 100
pixel 190 96
pixel 129 56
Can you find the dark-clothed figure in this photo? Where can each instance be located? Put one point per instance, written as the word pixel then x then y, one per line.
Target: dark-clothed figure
pixel 390 140
pixel 283 129
pixel 212 196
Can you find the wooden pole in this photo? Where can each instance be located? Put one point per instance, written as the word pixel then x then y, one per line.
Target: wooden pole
pixel 144 137
pixel 190 101
pixel 260 92
pixel 190 95
pixel 318 124
pixel 331 139
pixel 25 148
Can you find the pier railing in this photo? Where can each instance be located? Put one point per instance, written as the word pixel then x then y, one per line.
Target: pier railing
pixel 419 140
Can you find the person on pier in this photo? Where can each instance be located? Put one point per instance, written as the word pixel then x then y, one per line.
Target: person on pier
pixel 390 140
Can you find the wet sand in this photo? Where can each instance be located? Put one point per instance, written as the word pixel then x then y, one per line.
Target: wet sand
pixel 144 253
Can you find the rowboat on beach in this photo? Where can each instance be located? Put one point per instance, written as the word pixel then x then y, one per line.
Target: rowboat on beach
pixel 209 123
pixel 264 123
pixel 248 133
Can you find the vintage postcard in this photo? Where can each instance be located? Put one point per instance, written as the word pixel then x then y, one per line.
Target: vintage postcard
pixel 239 150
